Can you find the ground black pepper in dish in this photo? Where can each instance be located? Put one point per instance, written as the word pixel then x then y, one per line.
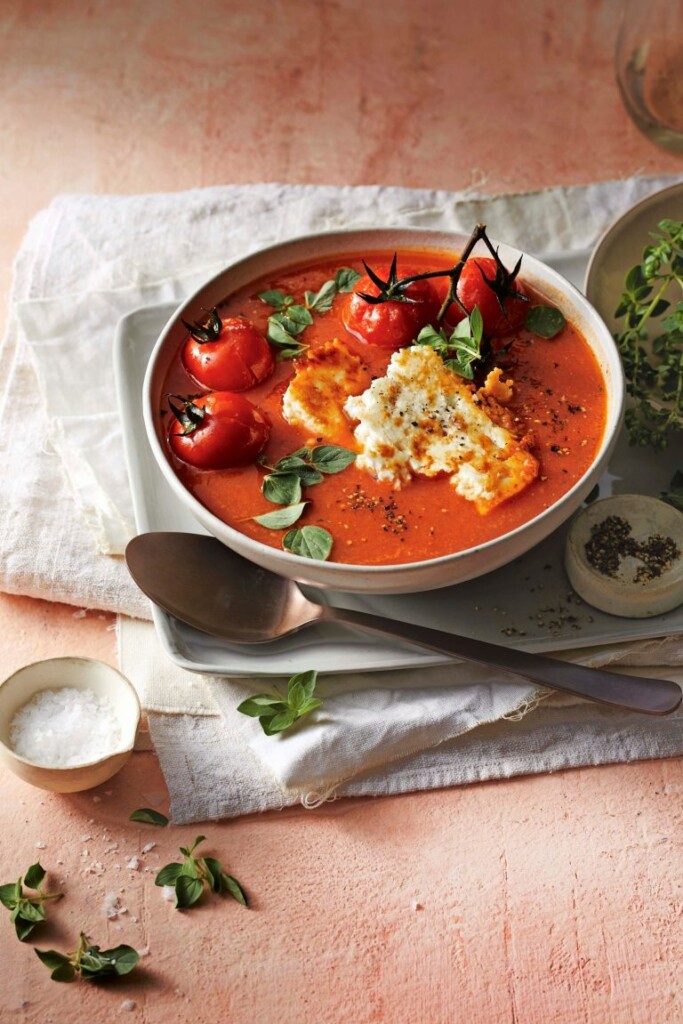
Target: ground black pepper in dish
pixel 611 541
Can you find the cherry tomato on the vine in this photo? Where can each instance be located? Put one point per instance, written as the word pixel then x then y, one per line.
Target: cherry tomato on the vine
pixel 237 359
pixel 390 324
pixel 220 430
pixel 473 290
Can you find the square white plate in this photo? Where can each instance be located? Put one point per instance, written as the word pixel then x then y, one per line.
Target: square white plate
pixel 527 604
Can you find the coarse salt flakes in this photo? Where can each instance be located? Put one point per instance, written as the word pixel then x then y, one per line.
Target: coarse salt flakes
pixel 65 727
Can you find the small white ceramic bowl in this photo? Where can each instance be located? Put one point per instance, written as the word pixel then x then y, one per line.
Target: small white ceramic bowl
pixel 414 576
pixel 81 674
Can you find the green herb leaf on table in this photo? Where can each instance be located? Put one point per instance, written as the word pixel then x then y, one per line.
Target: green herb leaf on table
pixel 277 712
pixel 309 542
pixel 545 321
pixel 651 348
pixel 89 961
pixel 195 874
pixel 147 816
pixel 26 911
pixel 346 279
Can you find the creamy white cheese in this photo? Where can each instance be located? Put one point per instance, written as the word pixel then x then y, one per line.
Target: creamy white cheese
pixel 421 419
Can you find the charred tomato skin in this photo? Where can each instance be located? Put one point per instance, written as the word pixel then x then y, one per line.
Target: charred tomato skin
pixel 232 433
pixel 238 359
pixel 472 290
pixel 392 324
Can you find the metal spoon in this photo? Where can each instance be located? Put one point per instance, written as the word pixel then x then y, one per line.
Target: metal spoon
pixel 201 582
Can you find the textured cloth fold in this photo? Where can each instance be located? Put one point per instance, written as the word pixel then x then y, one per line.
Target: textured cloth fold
pixel 66 511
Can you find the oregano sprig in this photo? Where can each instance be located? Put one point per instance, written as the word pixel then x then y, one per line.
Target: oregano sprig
pixel 193 875
pixel 283 486
pixel 277 711
pixel 88 960
pixel 27 910
pixel 291 319
pixel 461 351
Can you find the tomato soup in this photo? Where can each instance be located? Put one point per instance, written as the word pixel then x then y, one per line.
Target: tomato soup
pixel 558 403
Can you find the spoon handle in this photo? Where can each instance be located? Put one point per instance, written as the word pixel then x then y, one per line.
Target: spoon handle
pixel 630 693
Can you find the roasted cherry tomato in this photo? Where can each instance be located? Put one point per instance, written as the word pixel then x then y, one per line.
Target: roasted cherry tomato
pixel 390 324
pixel 220 430
pixel 473 290
pixel 227 355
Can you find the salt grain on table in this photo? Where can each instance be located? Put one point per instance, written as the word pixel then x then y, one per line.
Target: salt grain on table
pixel 65 727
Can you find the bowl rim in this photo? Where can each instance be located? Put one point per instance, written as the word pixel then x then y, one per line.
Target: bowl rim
pixel 615 398
pixel 83 764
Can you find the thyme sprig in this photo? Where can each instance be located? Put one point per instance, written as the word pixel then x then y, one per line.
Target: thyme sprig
pixel 651 352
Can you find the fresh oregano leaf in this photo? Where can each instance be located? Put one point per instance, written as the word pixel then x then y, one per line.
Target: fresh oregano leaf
pixel 309 542
pixel 274 298
pixel 89 961
pixel 282 488
pixel 34 876
pixel 322 300
pixel 282 517
pixel 234 889
pixel 187 891
pixel 331 458
pixel 545 321
pixel 148 816
pixel 169 874
pixel 27 910
pixel 10 894
pixel 346 279
pixel 192 876
pixel 277 712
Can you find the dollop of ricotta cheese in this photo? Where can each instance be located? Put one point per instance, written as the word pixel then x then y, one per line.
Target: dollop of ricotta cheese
pixel 422 419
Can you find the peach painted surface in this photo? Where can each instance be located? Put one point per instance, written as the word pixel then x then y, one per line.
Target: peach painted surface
pixel 551 899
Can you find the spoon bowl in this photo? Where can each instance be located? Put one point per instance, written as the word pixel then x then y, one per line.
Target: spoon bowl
pixel 220 593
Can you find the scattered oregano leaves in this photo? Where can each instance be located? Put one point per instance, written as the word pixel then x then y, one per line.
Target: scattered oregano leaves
pixel 147 816
pixel 291 319
pixel 27 910
pixel 276 711
pixel 89 961
pixel 283 486
pixel 194 874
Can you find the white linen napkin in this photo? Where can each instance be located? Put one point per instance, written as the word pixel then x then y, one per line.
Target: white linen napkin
pixel 66 506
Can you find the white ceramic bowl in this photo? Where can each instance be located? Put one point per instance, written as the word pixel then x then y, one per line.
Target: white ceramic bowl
pixel 413 576
pixel 81 674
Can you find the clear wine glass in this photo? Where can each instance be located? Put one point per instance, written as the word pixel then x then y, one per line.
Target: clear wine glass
pixel 649 65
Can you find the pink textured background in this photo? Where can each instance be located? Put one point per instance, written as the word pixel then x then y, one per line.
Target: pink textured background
pixel 554 899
